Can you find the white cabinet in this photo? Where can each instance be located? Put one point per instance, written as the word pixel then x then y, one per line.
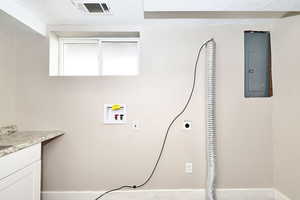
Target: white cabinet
pixel 20 175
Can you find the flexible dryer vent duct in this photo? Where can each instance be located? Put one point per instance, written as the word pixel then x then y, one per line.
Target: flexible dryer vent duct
pixel 211 125
pixel 211 120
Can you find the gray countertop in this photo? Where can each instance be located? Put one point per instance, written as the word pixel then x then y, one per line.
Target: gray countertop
pixel 22 139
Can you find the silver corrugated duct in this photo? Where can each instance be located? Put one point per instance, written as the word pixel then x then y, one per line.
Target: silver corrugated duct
pixel 210 46
pixel 211 120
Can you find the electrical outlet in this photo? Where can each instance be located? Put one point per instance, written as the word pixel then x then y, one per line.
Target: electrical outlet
pixel 188 167
pixel 187 125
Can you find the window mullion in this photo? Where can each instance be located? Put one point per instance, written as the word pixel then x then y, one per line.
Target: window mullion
pixel 61 58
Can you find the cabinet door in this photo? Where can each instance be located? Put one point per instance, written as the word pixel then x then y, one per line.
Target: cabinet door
pixel 23 184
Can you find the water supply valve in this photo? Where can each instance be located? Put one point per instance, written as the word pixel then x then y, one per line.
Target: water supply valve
pixel 115 114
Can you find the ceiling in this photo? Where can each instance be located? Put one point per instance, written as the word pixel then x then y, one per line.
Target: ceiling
pixel 63 12
pixel 222 5
pixel 40 14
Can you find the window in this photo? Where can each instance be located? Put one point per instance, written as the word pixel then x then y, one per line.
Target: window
pixel 119 58
pixel 98 57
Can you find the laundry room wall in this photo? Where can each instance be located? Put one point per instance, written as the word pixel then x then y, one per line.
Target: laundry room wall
pixel 7 71
pixel 94 156
pixel 285 107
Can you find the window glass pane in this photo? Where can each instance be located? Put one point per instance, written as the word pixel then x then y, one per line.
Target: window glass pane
pixel 81 59
pixel 119 58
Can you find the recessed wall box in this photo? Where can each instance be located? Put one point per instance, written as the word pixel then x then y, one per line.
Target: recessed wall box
pixel 115 114
pixel 187 125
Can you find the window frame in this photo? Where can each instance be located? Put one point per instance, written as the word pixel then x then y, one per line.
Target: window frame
pixel 95 40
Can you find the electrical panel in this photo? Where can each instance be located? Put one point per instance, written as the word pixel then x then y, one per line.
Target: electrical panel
pixel 258 78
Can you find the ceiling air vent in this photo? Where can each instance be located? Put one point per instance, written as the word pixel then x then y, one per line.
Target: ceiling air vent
pixel 99 7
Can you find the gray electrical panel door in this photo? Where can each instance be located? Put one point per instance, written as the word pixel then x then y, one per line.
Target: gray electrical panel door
pixel 257 64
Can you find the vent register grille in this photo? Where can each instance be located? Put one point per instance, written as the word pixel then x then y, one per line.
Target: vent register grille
pixel 92 7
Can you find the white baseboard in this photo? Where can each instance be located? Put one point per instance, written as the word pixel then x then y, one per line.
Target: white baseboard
pixel 187 194
pixel 280 196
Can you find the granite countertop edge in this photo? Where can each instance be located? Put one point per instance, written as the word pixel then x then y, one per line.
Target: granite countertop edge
pixel 23 139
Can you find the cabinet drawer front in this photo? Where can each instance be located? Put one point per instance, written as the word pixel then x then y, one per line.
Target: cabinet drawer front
pixel 23 184
pixel 19 160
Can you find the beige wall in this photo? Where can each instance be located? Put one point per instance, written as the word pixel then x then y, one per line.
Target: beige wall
pixel 7 70
pixel 93 156
pixel 286 107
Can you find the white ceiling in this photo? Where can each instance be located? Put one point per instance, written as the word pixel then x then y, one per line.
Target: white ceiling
pixel 221 5
pixel 38 14
pixel 63 12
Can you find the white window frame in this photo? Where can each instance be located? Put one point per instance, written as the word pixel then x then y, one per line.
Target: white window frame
pixel 94 40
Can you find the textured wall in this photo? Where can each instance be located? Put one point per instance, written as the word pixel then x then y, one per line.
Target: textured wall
pixel 286 108
pixel 7 70
pixel 93 156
